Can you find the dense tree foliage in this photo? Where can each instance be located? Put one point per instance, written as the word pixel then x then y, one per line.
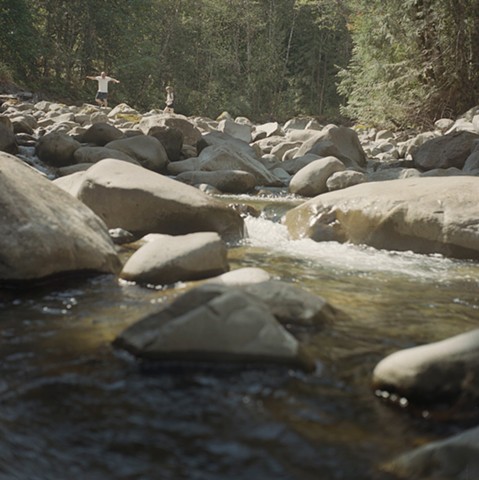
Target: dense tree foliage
pixel 413 61
pixel 260 58
pixel 400 62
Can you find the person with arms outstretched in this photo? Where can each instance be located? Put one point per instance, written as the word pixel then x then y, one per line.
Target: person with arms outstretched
pixel 102 94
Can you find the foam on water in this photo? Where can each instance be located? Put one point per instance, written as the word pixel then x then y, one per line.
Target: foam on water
pixel 358 258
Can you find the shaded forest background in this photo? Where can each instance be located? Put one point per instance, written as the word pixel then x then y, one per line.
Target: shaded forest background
pixel 380 62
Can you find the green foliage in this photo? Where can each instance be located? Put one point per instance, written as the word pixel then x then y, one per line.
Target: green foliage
pixel 259 58
pixel 412 61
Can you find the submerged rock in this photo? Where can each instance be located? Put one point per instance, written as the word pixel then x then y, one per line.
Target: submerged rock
pixel 455 458
pixel 214 323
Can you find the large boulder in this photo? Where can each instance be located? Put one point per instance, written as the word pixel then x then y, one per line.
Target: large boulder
pixel 227 181
pixel 171 259
pixel 101 133
pixel 312 179
pixel 237 130
pixel 130 197
pixel 214 323
pixel 44 231
pixel 292 305
pixel 171 138
pixel 455 458
pixel 426 215
pixel 146 150
pixel 191 134
pixel 95 154
pixel 446 151
pixel 445 370
pixel 57 149
pixel 342 142
pixel 226 157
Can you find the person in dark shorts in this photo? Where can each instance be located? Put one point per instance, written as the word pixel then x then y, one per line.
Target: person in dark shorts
pixel 170 100
pixel 102 94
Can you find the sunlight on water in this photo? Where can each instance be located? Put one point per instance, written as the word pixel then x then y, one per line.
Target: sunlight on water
pixel 353 258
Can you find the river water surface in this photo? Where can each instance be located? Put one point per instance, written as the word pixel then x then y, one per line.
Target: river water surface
pixel 73 408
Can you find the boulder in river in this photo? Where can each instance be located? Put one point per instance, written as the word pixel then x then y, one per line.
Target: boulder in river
pixel 455 458
pixel 44 231
pixel 170 259
pixel 140 201
pixel 425 215
pixel 442 371
pixel 214 323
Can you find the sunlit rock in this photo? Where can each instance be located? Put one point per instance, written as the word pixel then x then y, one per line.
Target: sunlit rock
pixel 140 201
pixel 311 179
pixel 445 370
pixel 171 259
pixel 425 215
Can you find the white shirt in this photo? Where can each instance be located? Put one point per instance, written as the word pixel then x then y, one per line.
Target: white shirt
pixel 103 83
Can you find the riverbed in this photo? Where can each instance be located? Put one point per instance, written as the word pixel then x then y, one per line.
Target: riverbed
pixel 74 408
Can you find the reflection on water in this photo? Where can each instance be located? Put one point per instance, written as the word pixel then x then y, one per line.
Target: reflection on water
pixel 71 407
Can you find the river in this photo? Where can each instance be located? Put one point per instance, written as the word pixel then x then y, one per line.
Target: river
pixel 73 408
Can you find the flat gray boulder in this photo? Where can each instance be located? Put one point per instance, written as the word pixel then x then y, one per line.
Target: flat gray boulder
pixel 425 215
pixel 226 181
pixel 44 231
pixel 140 201
pixel 214 323
pixel 95 154
pixel 171 259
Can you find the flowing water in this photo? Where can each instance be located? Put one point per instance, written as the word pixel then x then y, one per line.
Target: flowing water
pixel 73 408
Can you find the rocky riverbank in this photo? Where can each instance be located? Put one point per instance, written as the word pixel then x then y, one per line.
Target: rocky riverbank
pixel 147 181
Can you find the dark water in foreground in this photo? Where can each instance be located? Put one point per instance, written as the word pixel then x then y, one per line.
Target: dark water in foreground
pixel 72 408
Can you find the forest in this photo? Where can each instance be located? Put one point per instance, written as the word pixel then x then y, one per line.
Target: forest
pixel 393 63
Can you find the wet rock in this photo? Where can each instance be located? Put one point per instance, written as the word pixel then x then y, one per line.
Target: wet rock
pixel 426 215
pixel 455 458
pixel 445 370
pixel 213 323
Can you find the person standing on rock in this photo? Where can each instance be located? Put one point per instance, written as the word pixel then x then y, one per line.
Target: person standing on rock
pixel 102 93
pixel 170 100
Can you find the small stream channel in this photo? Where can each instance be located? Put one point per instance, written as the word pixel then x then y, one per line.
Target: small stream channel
pixel 73 408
